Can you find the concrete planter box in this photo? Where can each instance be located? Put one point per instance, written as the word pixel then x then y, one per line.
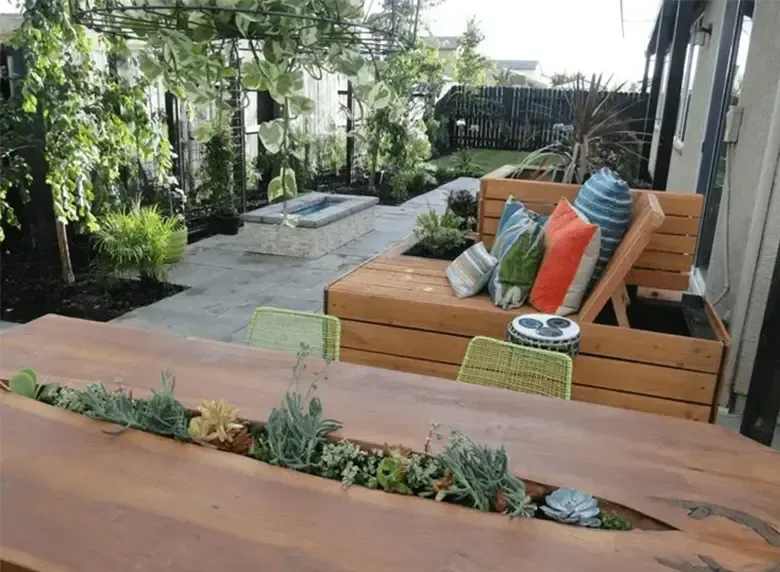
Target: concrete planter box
pixel 325 222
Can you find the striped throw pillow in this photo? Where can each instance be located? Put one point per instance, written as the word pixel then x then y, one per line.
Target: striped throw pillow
pixel 470 271
pixel 605 200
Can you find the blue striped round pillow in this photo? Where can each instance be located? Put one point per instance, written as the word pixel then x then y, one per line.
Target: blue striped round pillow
pixel 605 200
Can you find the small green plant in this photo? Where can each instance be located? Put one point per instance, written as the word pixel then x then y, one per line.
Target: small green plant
pixel 135 242
pixel 347 462
pixel 399 186
pixel 465 164
pixel 295 432
pixel 420 178
pixel 479 476
pixel 611 521
pixel 438 234
pixel 329 151
pixel 162 414
pixel 25 383
pixel 463 204
pixel 391 474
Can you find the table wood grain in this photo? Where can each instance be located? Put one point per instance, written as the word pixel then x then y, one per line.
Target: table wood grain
pixel 75 498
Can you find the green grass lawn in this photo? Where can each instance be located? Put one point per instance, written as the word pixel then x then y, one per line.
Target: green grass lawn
pixel 488 159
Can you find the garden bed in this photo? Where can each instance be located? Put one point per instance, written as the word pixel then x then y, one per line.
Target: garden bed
pixel 298 436
pixel 31 286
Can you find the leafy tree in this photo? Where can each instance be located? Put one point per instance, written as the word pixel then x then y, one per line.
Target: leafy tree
pixel 504 77
pixel 94 124
pixel 414 76
pixel 563 79
pixel 471 67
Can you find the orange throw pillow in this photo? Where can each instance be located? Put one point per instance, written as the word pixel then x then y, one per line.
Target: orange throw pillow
pixel 571 251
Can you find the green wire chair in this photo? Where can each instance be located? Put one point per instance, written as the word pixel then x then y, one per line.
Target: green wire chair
pixel 529 370
pixel 285 330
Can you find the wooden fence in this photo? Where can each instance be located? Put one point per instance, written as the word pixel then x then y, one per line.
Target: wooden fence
pixel 518 118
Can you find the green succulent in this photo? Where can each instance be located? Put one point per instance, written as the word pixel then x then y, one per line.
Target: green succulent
pixel 391 474
pixel 611 521
pixel 25 383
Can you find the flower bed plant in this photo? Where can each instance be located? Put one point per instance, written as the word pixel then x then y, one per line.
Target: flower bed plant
pixel 298 436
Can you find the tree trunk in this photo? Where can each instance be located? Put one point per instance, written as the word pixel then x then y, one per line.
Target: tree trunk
pixel 62 244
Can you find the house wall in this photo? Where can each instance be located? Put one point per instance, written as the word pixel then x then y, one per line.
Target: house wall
pixel 759 86
pixel 686 154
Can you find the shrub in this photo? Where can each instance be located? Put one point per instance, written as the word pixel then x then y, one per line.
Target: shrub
pixel 399 185
pixel 438 234
pixel 216 173
pixel 420 178
pixel 465 164
pixel 464 205
pixel 135 242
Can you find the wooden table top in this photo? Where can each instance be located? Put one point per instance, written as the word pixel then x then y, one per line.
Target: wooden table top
pixel 75 498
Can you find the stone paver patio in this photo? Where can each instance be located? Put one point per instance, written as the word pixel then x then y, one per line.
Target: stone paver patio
pixel 227 282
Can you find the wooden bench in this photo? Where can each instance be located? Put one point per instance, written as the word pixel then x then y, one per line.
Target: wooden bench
pixel 666 262
pixel 399 312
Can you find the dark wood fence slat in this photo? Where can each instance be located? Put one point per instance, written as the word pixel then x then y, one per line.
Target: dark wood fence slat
pixel 517 118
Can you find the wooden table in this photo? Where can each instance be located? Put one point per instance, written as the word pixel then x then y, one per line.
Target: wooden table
pixel 76 499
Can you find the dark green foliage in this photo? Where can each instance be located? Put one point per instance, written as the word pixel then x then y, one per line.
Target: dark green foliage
pixel 421 178
pixel 479 476
pixel 463 204
pixel 611 521
pixel 161 414
pixel 25 383
pixel 217 173
pixel 438 234
pixel 295 432
pixel 465 164
pixel 399 186
pixel 135 242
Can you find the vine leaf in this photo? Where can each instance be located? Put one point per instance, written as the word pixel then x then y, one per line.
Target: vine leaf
pixel 301 105
pixel 379 96
pixel 242 23
pixel 150 68
pixel 271 135
pixel 290 186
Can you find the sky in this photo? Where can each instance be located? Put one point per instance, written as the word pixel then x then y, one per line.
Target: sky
pixel 564 35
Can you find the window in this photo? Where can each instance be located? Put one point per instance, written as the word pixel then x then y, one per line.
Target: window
pixel 659 109
pixel 689 73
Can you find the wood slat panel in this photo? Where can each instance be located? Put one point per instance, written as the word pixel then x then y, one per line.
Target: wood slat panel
pixel 645 379
pixel 651 259
pixel 673 203
pixel 593 371
pixel 658 279
pixel 685 226
pixel 385 305
pixel 670 243
pixel 640 403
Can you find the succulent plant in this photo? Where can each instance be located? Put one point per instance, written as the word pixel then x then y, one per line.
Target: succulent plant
pixel 572 507
pixel 218 421
pixel 25 383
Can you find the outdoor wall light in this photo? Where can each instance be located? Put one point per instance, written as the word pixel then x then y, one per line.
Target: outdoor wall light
pixel 700 34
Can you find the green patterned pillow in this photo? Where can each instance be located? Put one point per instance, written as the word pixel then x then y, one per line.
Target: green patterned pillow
pixel 470 271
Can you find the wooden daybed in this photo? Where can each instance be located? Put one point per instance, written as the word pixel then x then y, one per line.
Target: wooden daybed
pixel 399 312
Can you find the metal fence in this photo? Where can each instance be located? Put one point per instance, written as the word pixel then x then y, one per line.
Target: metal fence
pixel 518 118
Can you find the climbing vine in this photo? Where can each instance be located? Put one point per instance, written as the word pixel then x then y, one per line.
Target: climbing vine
pixel 280 42
pixel 95 124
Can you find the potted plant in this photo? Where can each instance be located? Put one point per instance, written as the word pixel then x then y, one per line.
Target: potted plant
pixel 218 182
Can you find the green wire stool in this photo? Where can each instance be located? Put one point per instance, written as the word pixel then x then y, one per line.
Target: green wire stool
pixel 529 370
pixel 285 330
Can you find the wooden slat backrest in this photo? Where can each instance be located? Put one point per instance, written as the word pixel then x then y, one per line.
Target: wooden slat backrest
pixel 647 216
pixel 666 262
